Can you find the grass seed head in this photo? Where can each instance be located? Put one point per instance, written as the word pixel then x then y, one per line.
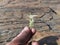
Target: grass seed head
pixel 31 20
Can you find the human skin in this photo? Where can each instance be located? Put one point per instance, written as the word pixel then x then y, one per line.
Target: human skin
pixel 23 37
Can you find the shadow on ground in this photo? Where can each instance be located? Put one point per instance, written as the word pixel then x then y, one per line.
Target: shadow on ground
pixel 50 40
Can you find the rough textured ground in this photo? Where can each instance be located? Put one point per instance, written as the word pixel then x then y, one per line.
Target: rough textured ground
pixel 14 17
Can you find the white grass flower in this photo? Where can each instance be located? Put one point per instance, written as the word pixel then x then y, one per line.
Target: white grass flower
pixel 31 20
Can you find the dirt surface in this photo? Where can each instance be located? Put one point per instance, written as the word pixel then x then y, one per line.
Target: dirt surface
pixel 14 17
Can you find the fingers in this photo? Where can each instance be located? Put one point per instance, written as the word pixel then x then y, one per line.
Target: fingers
pixel 24 36
pixel 33 43
pixel 33 30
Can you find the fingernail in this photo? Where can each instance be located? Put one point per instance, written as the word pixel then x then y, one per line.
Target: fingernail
pixel 33 31
pixel 26 28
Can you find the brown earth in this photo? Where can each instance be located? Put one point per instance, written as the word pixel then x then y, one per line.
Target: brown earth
pixel 14 17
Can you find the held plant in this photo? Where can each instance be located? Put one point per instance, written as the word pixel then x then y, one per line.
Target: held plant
pixel 31 20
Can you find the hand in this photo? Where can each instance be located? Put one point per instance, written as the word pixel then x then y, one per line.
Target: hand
pixel 23 38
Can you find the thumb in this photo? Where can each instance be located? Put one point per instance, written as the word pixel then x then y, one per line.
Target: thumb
pixel 24 36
